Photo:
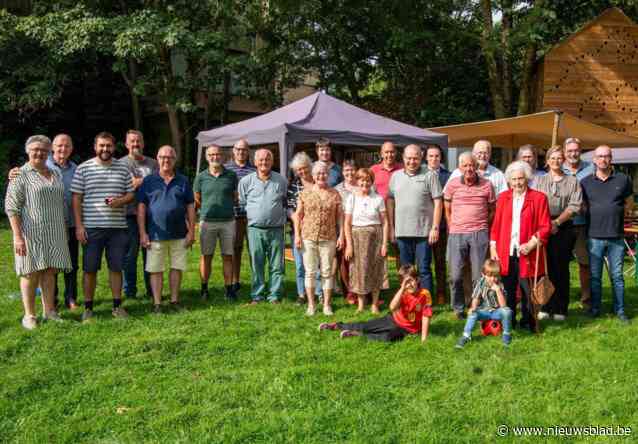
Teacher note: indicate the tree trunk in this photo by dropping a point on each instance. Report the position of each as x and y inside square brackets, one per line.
[527, 77]
[176, 133]
[135, 99]
[489, 52]
[506, 56]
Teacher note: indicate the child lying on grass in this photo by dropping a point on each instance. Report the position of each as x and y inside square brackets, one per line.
[411, 310]
[488, 302]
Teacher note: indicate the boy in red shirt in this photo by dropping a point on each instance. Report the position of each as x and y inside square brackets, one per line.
[411, 310]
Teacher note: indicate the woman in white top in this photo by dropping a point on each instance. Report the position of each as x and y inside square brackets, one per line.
[366, 230]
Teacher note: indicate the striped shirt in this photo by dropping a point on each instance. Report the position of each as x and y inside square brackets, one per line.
[240, 171]
[97, 183]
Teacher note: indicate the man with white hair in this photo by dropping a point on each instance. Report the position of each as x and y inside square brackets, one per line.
[482, 152]
[575, 166]
[414, 210]
[608, 195]
[216, 195]
[469, 207]
[263, 194]
[166, 218]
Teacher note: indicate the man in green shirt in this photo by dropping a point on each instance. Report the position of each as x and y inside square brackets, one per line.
[215, 196]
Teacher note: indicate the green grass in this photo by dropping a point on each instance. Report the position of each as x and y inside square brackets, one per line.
[228, 373]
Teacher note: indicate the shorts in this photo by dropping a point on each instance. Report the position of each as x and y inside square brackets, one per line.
[114, 240]
[580, 247]
[211, 231]
[173, 249]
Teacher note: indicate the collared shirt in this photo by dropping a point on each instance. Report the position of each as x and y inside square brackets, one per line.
[217, 194]
[96, 183]
[488, 299]
[138, 169]
[584, 169]
[606, 204]
[561, 194]
[414, 197]
[67, 173]
[382, 176]
[470, 204]
[491, 173]
[321, 208]
[345, 191]
[535, 175]
[292, 194]
[241, 172]
[264, 200]
[365, 210]
[517, 207]
[166, 206]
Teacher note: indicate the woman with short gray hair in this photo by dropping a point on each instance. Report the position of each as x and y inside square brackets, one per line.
[35, 206]
[521, 225]
[300, 166]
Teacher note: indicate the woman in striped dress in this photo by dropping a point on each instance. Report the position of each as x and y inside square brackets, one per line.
[35, 206]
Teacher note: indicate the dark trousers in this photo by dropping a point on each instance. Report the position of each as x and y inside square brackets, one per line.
[439, 251]
[70, 278]
[559, 252]
[512, 282]
[381, 329]
[130, 260]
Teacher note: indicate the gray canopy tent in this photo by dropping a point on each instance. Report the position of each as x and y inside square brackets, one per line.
[315, 116]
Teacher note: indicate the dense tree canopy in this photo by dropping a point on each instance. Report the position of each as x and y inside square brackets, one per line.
[426, 62]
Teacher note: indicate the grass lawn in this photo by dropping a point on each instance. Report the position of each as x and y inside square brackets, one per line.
[228, 373]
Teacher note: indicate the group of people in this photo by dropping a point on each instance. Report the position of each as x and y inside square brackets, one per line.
[495, 230]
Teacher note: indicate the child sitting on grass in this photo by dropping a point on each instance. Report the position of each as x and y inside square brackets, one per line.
[488, 302]
[411, 310]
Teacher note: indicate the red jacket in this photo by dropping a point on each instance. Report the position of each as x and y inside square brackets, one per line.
[535, 221]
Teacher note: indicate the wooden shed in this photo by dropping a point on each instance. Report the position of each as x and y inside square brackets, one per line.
[593, 74]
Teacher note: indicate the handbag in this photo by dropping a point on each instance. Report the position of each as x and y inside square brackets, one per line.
[543, 289]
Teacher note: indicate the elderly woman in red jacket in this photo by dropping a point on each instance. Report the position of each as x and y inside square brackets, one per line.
[521, 224]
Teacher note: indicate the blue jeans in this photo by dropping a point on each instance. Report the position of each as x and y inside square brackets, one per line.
[614, 251]
[130, 260]
[266, 245]
[503, 314]
[300, 271]
[417, 250]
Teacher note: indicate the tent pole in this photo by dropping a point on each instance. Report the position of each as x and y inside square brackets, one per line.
[199, 157]
[557, 116]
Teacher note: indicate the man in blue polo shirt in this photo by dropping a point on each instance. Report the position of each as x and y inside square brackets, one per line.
[166, 220]
[608, 195]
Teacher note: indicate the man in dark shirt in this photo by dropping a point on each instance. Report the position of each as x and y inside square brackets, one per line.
[608, 195]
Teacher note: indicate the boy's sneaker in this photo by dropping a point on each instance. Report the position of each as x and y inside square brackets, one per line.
[327, 310]
[328, 326]
[310, 311]
[52, 315]
[119, 313]
[559, 318]
[507, 340]
[87, 316]
[349, 334]
[543, 315]
[462, 341]
[30, 322]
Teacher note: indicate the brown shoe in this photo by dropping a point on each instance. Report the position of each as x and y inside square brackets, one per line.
[440, 299]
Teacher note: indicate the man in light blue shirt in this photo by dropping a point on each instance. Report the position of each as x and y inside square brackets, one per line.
[574, 166]
[263, 195]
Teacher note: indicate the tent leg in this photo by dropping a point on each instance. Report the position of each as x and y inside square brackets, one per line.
[557, 117]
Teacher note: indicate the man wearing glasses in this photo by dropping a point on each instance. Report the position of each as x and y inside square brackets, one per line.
[166, 220]
[575, 166]
[241, 166]
[608, 195]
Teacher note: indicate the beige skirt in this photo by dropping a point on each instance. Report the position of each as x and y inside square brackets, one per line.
[366, 266]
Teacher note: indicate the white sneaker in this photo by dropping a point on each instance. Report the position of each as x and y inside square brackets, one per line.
[310, 311]
[543, 315]
[327, 310]
[29, 322]
[559, 317]
[52, 315]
